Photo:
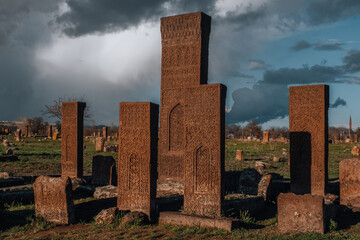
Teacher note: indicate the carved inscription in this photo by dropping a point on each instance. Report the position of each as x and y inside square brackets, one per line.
[308, 121]
[184, 64]
[138, 129]
[72, 124]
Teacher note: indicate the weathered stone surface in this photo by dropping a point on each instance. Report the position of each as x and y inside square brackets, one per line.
[18, 135]
[53, 199]
[308, 122]
[5, 143]
[204, 150]
[107, 216]
[265, 186]
[72, 126]
[349, 175]
[111, 149]
[5, 175]
[301, 213]
[175, 218]
[135, 217]
[99, 144]
[355, 151]
[239, 155]
[109, 191]
[138, 129]
[185, 43]
[105, 132]
[266, 136]
[103, 170]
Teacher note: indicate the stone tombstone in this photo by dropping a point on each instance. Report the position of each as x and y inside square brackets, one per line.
[204, 149]
[99, 134]
[26, 134]
[18, 135]
[50, 131]
[138, 131]
[55, 136]
[266, 136]
[53, 199]
[308, 123]
[103, 170]
[99, 144]
[184, 63]
[72, 128]
[349, 178]
[301, 213]
[355, 138]
[105, 132]
[240, 155]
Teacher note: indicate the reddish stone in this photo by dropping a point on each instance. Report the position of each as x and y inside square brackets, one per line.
[349, 176]
[138, 130]
[239, 155]
[185, 43]
[103, 170]
[308, 122]
[72, 127]
[99, 144]
[105, 132]
[18, 135]
[53, 199]
[205, 149]
[26, 134]
[301, 213]
[266, 136]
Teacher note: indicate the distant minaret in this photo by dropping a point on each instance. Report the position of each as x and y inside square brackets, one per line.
[350, 126]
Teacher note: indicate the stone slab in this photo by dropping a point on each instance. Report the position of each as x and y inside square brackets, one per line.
[175, 218]
[349, 176]
[301, 213]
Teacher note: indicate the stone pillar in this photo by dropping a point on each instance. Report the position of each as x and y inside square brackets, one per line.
[138, 130]
[53, 199]
[239, 155]
[105, 132]
[18, 135]
[308, 122]
[184, 64]
[266, 136]
[72, 128]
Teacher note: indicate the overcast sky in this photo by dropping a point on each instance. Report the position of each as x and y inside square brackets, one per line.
[109, 51]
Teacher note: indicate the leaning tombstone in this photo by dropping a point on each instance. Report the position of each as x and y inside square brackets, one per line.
[53, 199]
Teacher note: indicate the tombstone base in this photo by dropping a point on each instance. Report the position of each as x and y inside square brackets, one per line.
[176, 218]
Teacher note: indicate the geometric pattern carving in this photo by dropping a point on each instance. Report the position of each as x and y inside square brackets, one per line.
[204, 149]
[308, 122]
[72, 127]
[184, 64]
[138, 133]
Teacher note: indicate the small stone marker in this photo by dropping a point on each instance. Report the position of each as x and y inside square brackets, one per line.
[349, 177]
[53, 199]
[103, 170]
[239, 155]
[72, 127]
[99, 144]
[301, 213]
[138, 130]
[18, 135]
[266, 136]
[308, 122]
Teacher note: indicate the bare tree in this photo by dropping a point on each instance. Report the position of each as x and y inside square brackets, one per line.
[54, 110]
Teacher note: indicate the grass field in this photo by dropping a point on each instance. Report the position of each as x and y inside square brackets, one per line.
[42, 157]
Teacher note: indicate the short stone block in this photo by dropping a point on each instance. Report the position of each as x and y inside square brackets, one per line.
[301, 213]
[53, 199]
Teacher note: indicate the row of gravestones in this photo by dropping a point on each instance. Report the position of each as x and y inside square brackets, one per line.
[191, 144]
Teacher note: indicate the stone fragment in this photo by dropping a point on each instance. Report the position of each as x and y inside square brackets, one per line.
[107, 216]
[355, 151]
[53, 199]
[111, 149]
[301, 213]
[138, 129]
[239, 155]
[265, 186]
[138, 218]
[109, 191]
[9, 151]
[308, 123]
[276, 159]
[72, 126]
[5, 175]
[349, 176]
[103, 170]
[5, 143]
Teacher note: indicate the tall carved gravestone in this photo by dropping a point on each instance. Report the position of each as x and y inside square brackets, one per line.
[184, 64]
[72, 128]
[138, 131]
[204, 149]
[308, 122]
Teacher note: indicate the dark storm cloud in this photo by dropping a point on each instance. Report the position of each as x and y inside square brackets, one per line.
[325, 11]
[328, 47]
[301, 45]
[338, 102]
[352, 61]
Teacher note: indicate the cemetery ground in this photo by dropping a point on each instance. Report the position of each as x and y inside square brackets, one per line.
[39, 156]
